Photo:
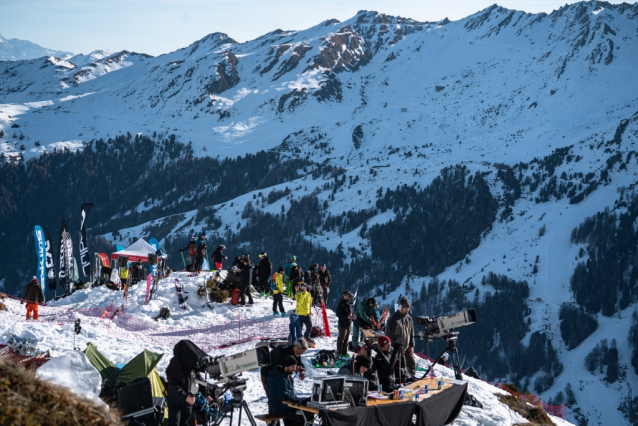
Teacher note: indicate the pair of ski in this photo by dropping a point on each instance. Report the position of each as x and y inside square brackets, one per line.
[180, 294]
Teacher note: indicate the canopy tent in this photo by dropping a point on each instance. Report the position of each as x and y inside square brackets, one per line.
[143, 365]
[136, 252]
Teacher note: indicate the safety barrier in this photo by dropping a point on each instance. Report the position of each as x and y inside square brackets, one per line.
[119, 324]
[554, 410]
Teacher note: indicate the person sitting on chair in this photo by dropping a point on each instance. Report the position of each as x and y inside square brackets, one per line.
[385, 362]
[282, 389]
[364, 350]
[361, 367]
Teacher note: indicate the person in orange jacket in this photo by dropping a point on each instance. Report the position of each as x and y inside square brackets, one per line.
[33, 295]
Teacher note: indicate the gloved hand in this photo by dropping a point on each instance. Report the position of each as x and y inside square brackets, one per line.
[398, 347]
[181, 250]
[22, 302]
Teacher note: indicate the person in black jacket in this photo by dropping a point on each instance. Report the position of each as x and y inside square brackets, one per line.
[385, 362]
[281, 388]
[361, 367]
[218, 257]
[364, 350]
[33, 295]
[324, 280]
[182, 386]
[344, 314]
[265, 271]
[277, 356]
[246, 281]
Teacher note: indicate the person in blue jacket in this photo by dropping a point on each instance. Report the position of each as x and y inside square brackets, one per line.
[282, 388]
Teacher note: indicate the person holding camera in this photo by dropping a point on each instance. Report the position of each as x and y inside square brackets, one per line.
[181, 375]
[385, 362]
[282, 388]
[400, 329]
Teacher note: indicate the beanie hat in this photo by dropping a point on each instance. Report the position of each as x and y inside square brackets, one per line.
[34, 279]
[383, 340]
[281, 269]
[404, 302]
[262, 255]
[289, 360]
[360, 346]
[362, 361]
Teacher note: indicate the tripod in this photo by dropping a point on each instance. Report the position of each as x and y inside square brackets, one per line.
[237, 402]
[454, 356]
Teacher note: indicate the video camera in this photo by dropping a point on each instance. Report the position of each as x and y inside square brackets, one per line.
[441, 327]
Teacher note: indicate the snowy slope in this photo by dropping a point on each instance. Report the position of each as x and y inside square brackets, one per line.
[59, 339]
[17, 50]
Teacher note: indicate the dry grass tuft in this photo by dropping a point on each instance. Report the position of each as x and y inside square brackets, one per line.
[3, 307]
[536, 415]
[28, 401]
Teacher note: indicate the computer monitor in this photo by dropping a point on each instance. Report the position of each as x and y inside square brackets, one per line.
[357, 389]
[328, 389]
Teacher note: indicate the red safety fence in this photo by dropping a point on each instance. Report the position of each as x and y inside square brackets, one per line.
[554, 410]
[34, 362]
[122, 325]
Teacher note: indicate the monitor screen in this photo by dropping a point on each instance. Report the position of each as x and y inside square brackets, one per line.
[332, 390]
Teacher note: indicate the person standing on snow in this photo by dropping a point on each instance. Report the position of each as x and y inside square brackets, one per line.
[287, 279]
[344, 314]
[191, 247]
[264, 273]
[218, 257]
[33, 295]
[324, 283]
[304, 303]
[277, 293]
[200, 253]
[400, 329]
[246, 281]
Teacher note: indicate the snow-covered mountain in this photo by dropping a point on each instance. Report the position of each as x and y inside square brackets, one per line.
[536, 115]
[14, 49]
[81, 60]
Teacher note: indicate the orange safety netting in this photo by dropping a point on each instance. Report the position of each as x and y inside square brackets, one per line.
[118, 323]
[34, 362]
[554, 410]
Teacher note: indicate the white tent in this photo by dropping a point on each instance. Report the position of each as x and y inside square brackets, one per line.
[136, 252]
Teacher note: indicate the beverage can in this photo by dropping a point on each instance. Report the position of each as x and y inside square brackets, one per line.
[417, 397]
[440, 384]
[427, 388]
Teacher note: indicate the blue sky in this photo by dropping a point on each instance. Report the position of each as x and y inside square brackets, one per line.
[161, 26]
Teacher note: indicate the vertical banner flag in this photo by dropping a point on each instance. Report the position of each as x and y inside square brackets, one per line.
[85, 257]
[68, 261]
[40, 250]
[61, 256]
[50, 264]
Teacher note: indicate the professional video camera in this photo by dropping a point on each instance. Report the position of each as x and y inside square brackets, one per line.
[225, 371]
[442, 327]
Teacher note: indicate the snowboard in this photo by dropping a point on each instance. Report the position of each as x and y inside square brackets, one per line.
[180, 294]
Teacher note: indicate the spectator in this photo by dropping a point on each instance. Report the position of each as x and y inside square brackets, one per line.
[304, 304]
[385, 362]
[361, 367]
[33, 295]
[311, 279]
[367, 317]
[277, 293]
[191, 248]
[324, 282]
[277, 355]
[218, 257]
[287, 279]
[344, 314]
[364, 350]
[200, 253]
[281, 388]
[246, 282]
[264, 272]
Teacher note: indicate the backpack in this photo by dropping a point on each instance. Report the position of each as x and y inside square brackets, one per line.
[192, 248]
[273, 284]
[234, 300]
[325, 356]
[164, 313]
[295, 273]
[316, 332]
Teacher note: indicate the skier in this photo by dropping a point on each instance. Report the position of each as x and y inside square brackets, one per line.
[264, 272]
[367, 317]
[192, 249]
[218, 257]
[277, 293]
[33, 295]
[246, 281]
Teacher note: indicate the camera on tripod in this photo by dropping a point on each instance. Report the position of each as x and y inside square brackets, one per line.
[442, 327]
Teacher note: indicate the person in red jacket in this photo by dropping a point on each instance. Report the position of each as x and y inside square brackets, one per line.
[33, 295]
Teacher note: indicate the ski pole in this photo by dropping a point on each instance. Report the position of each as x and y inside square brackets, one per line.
[182, 253]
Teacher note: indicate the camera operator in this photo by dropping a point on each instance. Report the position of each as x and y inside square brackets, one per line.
[282, 388]
[400, 329]
[385, 362]
[361, 367]
[182, 386]
[277, 356]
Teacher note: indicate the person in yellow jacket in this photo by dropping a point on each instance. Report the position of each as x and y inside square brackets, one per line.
[277, 293]
[304, 302]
